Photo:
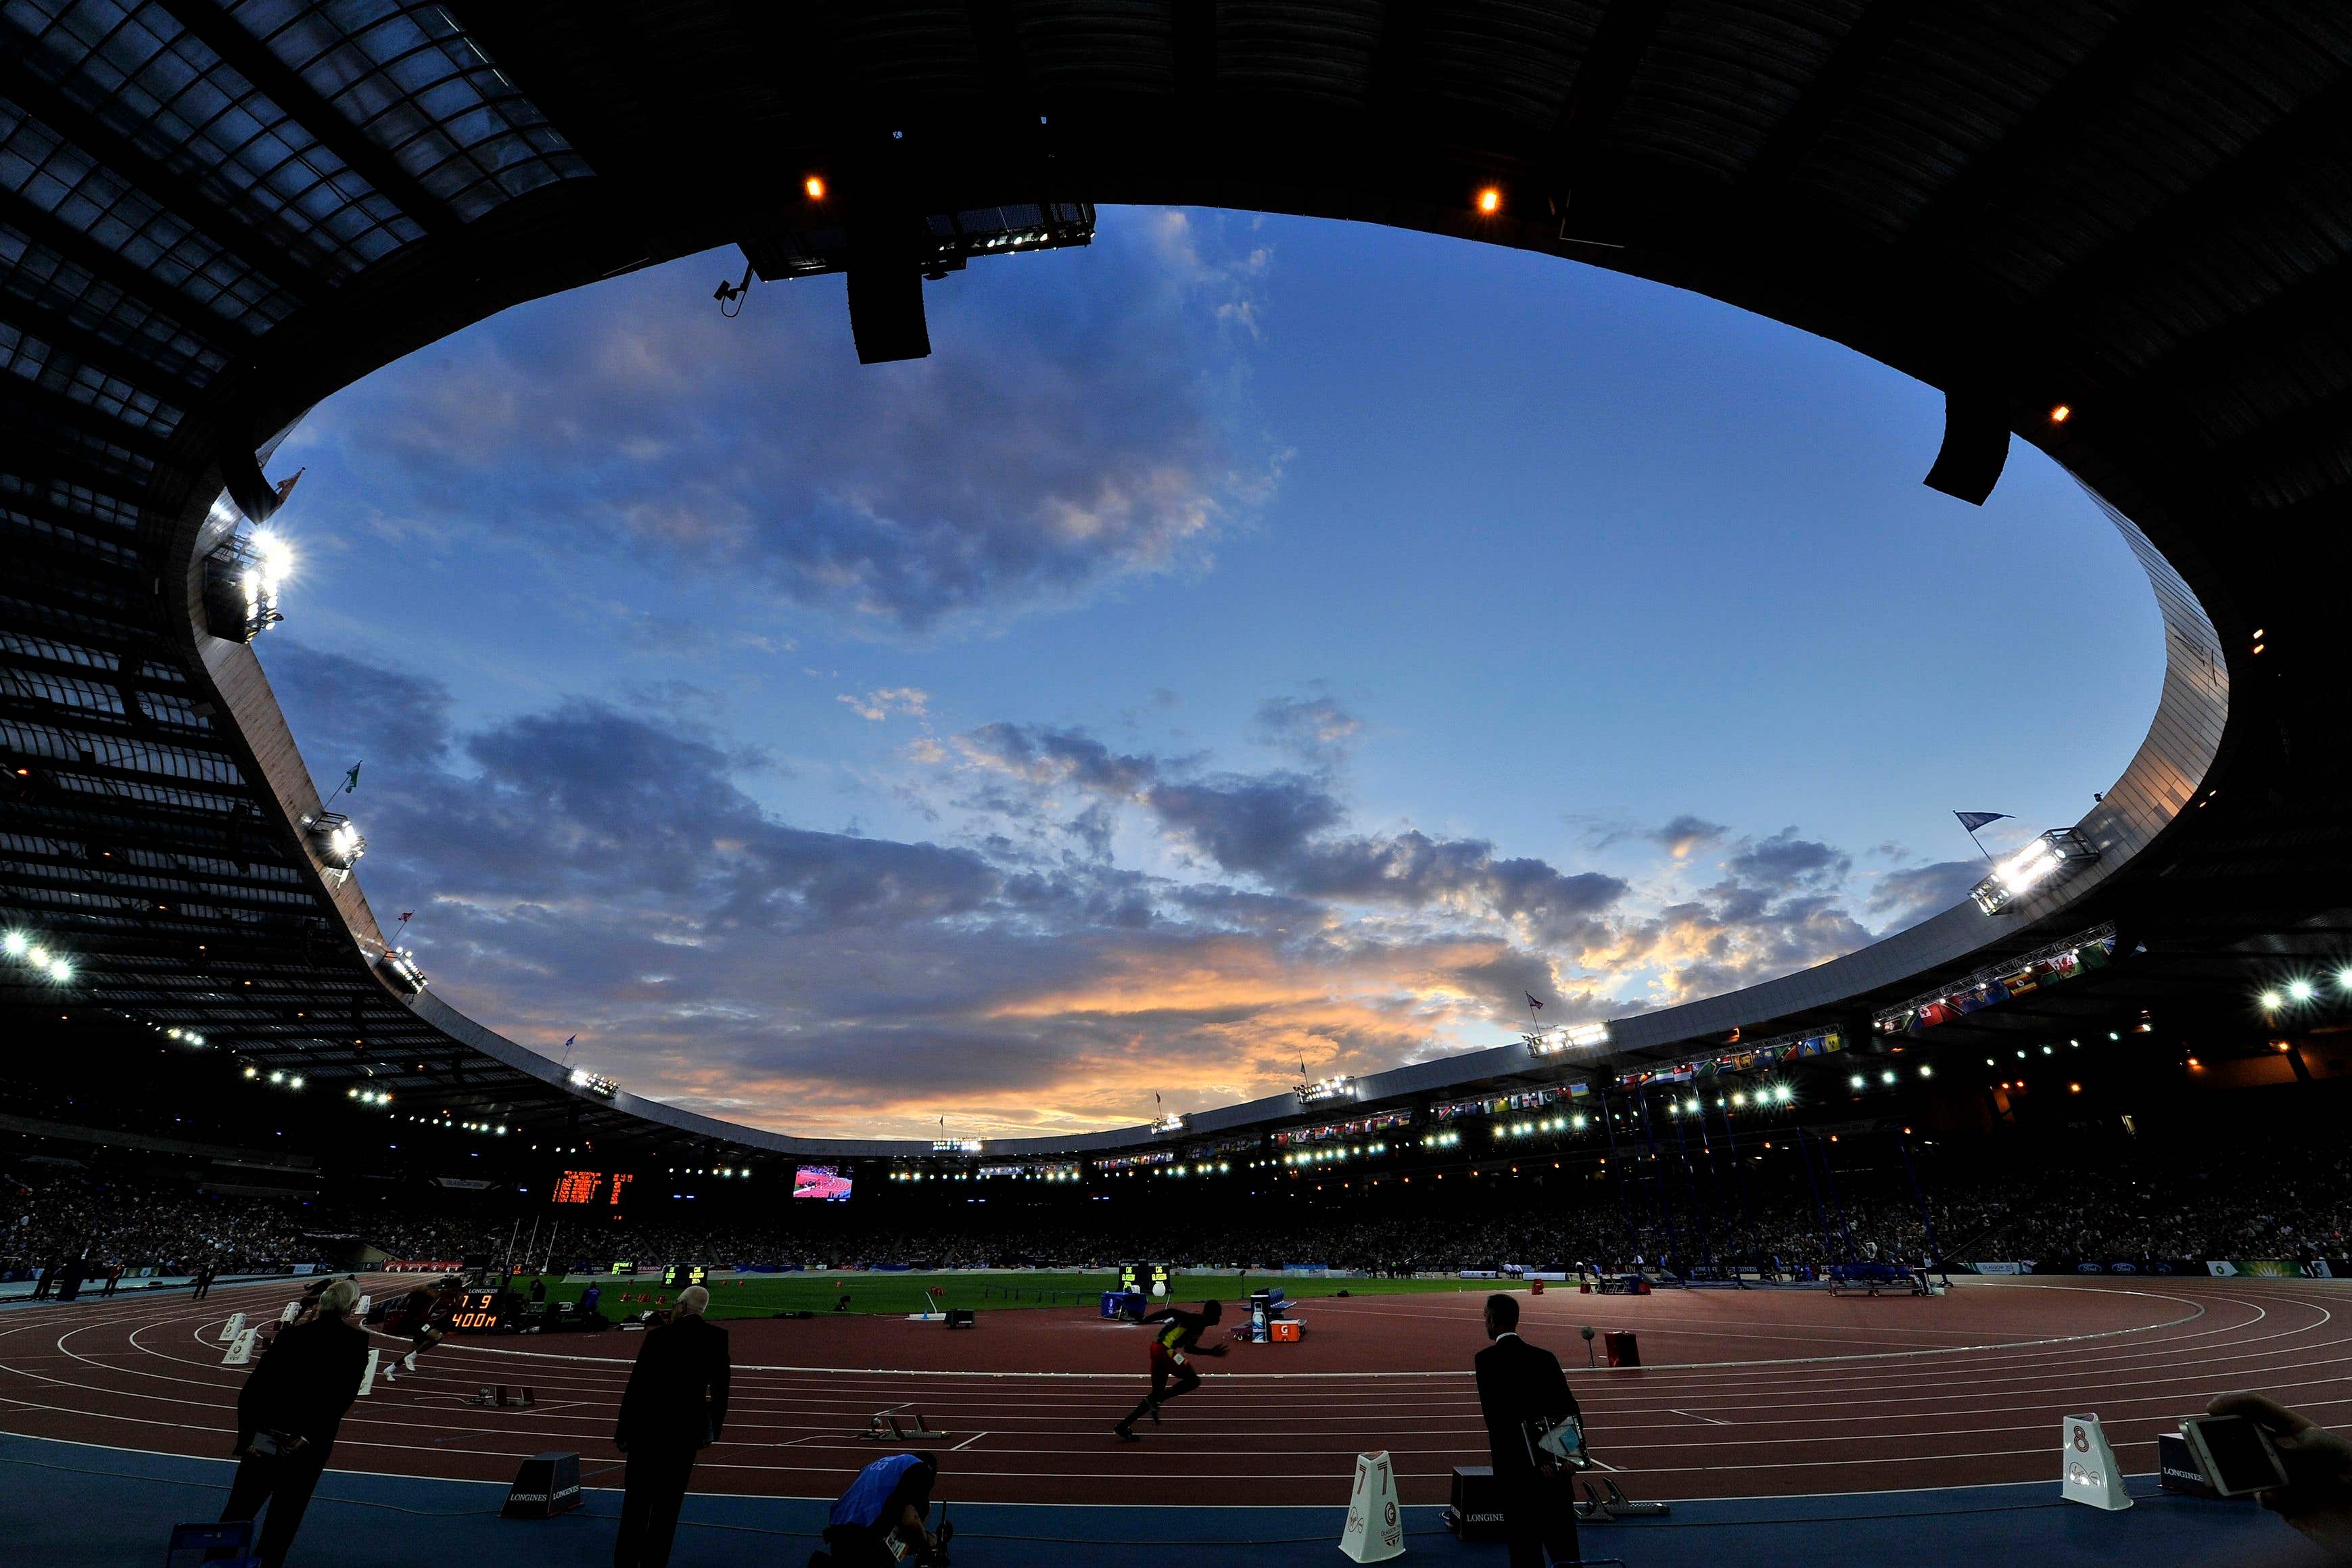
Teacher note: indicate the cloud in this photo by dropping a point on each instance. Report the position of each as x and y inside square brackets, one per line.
[1258, 823]
[1282, 829]
[911, 701]
[1908, 896]
[352, 704]
[1785, 862]
[589, 869]
[1316, 730]
[1685, 833]
[1044, 756]
[1058, 440]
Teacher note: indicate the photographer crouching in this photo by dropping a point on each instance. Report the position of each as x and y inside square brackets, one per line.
[287, 1415]
[882, 1521]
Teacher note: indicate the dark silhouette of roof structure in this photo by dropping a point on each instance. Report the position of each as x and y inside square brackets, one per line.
[215, 212]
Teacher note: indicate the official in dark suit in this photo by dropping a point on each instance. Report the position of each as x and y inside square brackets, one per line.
[674, 1407]
[289, 1413]
[1517, 1383]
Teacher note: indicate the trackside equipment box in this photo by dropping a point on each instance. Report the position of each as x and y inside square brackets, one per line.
[2176, 1468]
[1475, 1513]
[544, 1486]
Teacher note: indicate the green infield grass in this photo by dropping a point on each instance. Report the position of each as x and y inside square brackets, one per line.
[764, 1295]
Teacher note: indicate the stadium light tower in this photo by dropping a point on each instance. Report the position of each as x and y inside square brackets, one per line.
[2054, 854]
[338, 845]
[244, 578]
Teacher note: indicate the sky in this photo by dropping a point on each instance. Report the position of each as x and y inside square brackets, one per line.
[1247, 644]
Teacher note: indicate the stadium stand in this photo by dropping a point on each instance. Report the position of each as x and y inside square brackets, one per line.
[2230, 1197]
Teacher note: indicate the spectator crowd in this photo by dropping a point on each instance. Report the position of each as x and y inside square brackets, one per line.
[2219, 1201]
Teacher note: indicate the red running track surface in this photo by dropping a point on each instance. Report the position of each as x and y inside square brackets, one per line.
[1747, 1392]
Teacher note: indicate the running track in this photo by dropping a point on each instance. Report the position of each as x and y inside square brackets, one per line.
[1748, 1394]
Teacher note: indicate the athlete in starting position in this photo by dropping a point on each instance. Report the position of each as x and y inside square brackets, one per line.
[1172, 1358]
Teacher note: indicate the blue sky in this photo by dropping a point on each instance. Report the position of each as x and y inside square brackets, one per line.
[1244, 641]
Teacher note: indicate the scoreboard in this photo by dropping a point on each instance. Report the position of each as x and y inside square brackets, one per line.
[603, 1187]
[678, 1276]
[480, 1312]
[1150, 1279]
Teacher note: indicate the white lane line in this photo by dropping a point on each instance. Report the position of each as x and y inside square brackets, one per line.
[2324, 1316]
[1708, 1419]
[968, 1442]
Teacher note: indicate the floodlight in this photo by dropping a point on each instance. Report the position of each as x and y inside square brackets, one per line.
[61, 971]
[334, 841]
[1782, 1092]
[295, 1081]
[37, 956]
[2057, 849]
[815, 186]
[13, 944]
[1490, 201]
[275, 558]
[2299, 989]
[2061, 413]
[2270, 999]
[1887, 1076]
[1860, 1082]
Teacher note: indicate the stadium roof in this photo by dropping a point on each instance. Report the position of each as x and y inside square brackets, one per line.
[215, 212]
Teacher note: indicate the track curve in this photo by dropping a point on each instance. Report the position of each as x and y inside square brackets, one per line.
[1756, 1393]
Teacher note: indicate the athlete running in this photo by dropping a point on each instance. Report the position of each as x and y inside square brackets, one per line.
[416, 1314]
[1171, 1360]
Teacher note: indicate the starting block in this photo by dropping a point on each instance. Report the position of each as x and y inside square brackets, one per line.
[1598, 1510]
[887, 1428]
[240, 1349]
[231, 1329]
[500, 1397]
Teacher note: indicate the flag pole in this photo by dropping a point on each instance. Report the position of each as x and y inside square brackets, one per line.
[1978, 842]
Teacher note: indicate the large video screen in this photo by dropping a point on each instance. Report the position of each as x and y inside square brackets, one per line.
[828, 1183]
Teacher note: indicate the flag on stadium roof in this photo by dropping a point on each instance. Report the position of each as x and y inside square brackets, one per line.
[1532, 1001]
[1972, 820]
